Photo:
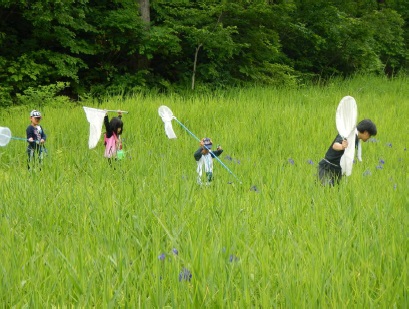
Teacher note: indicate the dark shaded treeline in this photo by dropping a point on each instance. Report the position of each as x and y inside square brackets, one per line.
[94, 47]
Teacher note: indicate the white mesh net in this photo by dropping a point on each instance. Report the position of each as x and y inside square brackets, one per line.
[95, 117]
[5, 136]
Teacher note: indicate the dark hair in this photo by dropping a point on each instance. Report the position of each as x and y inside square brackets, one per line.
[367, 125]
[115, 124]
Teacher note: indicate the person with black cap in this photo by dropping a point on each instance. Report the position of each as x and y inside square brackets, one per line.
[204, 157]
[35, 138]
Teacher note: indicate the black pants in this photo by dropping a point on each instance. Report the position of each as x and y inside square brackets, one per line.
[328, 174]
[36, 153]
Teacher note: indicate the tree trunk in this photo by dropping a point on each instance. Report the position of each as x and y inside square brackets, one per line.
[194, 65]
[144, 10]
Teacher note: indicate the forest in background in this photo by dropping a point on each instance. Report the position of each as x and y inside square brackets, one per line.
[85, 48]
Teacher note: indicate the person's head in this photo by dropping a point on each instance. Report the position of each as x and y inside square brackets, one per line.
[35, 117]
[207, 143]
[117, 125]
[366, 129]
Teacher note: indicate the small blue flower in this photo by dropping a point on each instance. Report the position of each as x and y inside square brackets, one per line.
[162, 257]
[389, 145]
[291, 161]
[379, 167]
[175, 251]
[233, 258]
[185, 274]
[254, 188]
[310, 162]
[381, 161]
[238, 161]
[367, 173]
[229, 158]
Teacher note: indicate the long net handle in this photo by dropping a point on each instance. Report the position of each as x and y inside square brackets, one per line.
[220, 161]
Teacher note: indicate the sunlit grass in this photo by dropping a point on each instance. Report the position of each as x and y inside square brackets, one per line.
[81, 233]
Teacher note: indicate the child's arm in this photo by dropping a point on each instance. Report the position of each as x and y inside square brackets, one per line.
[30, 134]
[340, 146]
[198, 154]
[217, 152]
[107, 126]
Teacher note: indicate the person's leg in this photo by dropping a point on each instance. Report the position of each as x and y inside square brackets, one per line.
[199, 171]
[324, 173]
[30, 159]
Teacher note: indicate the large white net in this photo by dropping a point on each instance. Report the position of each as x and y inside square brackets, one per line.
[95, 118]
[166, 114]
[5, 136]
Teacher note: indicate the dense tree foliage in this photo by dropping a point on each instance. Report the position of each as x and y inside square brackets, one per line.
[93, 47]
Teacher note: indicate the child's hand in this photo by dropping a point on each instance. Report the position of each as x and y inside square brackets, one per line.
[42, 141]
[219, 147]
[31, 139]
[119, 113]
[344, 144]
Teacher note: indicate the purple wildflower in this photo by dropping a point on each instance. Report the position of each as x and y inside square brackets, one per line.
[309, 161]
[238, 161]
[373, 140]
[254, 188]
[185, 274]
[381, 161]
[229, 158]
[379, 167]
[291, 161]
[367, 173]
[162, 257]
[389, 145]
[175, 251]
[233, 258]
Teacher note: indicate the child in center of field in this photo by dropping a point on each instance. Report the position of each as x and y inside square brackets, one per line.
[35, 138]
[329, 168]
[204, 158]
[112, 140]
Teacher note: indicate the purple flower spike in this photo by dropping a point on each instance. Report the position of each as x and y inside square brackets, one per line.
[254, 188]
[162, 257]
[175, 251]
[381, 161]
[379, 167]
[185, 274]
[291, 161]
[367, 173]
[310, 162]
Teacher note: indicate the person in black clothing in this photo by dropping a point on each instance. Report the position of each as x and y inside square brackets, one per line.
[35, 138]
[204, 157]
[329, 169]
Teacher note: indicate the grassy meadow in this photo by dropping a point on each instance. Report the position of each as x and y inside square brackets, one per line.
[143, 234]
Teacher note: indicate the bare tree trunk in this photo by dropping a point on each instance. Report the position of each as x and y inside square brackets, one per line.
[142, 61]
[144, 10]
[194, 65]
[197, 52]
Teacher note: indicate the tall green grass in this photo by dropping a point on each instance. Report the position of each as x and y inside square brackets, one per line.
[81, 233]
